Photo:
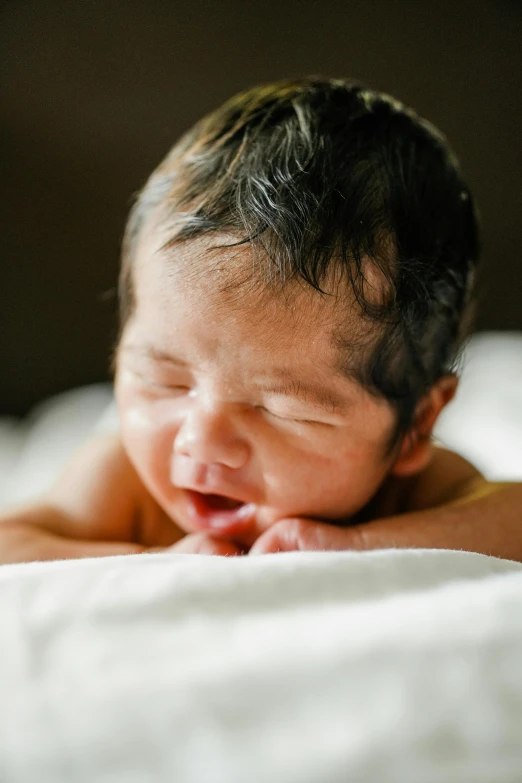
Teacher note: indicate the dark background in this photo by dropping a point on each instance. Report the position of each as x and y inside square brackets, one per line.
[94, 93]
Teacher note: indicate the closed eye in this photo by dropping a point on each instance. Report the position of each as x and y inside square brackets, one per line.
[172, 387]
[292, 418]
[161, 385]
[178, 387]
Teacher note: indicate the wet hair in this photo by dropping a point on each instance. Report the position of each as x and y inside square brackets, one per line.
[323, 174]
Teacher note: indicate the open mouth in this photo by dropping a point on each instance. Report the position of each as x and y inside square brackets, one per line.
[221, 514]
[220, 502]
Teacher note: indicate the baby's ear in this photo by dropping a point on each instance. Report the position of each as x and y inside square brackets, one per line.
[416, 448]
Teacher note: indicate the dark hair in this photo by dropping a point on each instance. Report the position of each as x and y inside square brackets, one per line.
[321, 173]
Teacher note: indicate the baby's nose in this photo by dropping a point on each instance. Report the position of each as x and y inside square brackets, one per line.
[210, 438]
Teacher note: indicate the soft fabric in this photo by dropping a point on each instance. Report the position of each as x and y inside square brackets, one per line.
[484, 422]
[401, 666]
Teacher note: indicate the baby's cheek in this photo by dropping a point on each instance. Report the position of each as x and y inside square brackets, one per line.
[148, 443]
[331, 487]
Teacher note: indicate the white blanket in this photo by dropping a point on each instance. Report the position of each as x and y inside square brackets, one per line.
[400, 666]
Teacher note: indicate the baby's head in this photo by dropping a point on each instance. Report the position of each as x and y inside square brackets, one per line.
[295, 281]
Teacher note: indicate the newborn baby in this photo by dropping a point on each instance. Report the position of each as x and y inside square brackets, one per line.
[295, 284]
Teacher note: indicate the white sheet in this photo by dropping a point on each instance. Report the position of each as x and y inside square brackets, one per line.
[401, 666]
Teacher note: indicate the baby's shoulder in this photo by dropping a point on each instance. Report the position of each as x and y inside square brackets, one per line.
[448, 477]
[100, 489]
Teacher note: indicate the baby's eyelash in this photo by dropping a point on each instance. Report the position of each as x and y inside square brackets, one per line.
[151, 383]
[169, 386]
[289, 418]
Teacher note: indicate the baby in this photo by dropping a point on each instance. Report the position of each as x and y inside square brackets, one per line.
[295, 286]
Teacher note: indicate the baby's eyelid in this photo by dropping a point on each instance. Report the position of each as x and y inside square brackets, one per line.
[173, 386]
[298, 419]
[161, 384]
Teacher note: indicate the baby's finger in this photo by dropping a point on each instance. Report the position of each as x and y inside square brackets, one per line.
[305, 535]
[203, 544]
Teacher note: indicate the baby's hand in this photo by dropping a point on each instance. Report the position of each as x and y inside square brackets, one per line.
[288, 535]
[201, 544]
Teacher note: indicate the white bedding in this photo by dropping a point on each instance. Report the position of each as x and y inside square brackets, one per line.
[398, 666]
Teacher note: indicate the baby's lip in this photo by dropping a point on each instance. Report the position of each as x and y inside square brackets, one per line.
[205, 513]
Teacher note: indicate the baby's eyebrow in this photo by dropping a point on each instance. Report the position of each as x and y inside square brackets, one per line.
[151, 352]
[318, 395]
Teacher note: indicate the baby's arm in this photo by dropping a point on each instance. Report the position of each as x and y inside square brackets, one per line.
[98, 507]
[451, 507]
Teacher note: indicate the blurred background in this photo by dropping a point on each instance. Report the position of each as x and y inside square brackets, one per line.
[93, 94]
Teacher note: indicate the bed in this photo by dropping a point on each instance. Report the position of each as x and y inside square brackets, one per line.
[311, 667]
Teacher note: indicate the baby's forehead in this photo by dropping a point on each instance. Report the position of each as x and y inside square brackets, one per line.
[216, 272]
[231, 263]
